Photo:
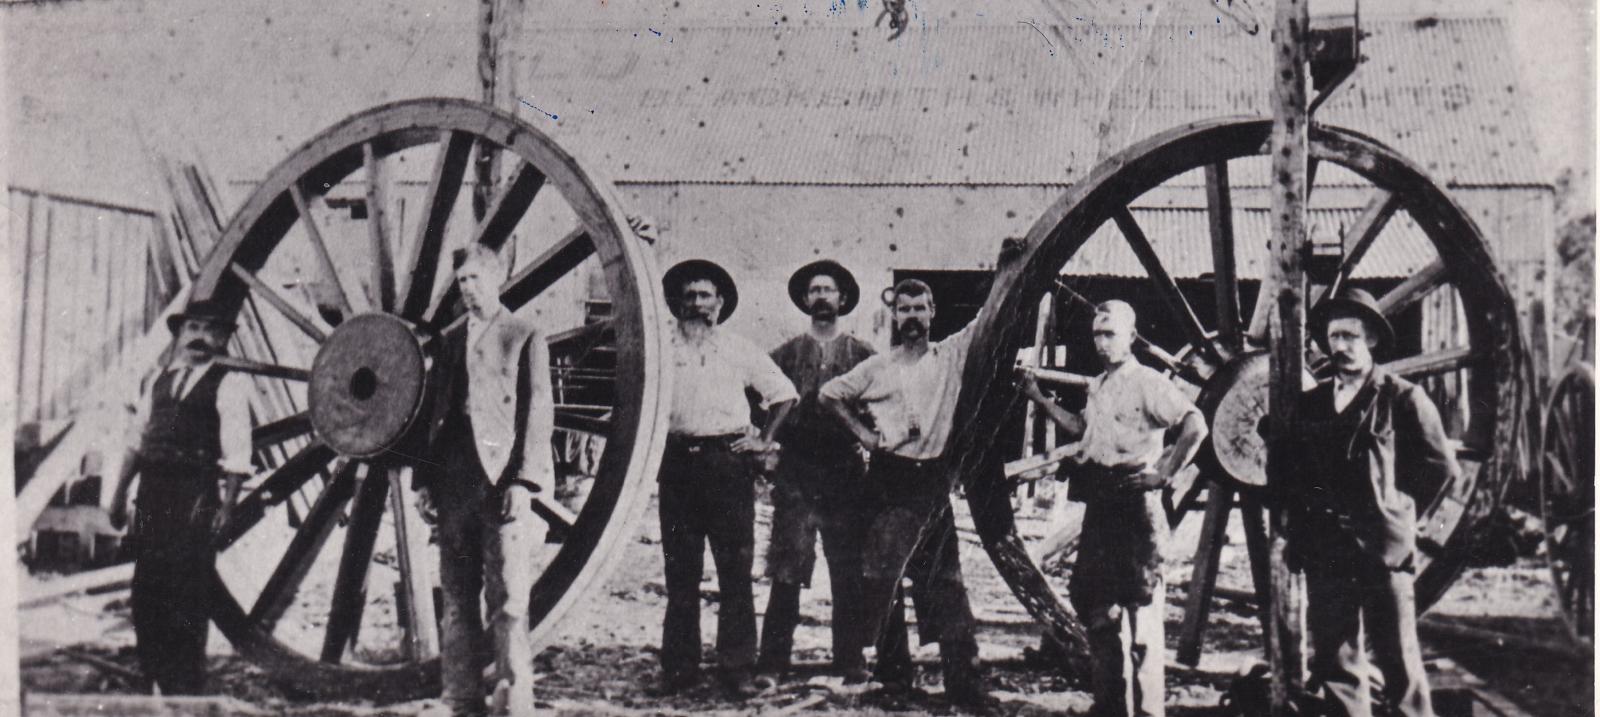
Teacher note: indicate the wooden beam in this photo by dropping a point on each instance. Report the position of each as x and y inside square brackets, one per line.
[1219, 210]
[1203, 579]
[1290, 152]
[1177, 305]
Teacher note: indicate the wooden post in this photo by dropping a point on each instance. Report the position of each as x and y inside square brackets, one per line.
[1290, 156]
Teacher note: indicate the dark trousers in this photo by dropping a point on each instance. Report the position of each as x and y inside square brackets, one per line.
[912, 534]
[171, 591]
[809, 498]
[479, 555]
[707, 494]
[1119, 595]
[1341, 598]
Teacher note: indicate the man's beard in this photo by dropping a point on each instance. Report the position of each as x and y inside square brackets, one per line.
[823, 310]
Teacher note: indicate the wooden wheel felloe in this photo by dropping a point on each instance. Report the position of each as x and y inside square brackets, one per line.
[1222, 352]
[1566, 497]
[325, 575]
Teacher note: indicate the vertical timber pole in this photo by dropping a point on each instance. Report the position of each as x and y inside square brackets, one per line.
[1290, 158]
[487, 162]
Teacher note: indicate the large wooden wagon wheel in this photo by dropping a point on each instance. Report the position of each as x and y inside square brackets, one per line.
[326, 577]
[1228, 349]
[1566, 497]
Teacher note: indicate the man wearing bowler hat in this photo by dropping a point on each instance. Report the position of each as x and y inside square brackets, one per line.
[1368, 441]
[707, 491]
[190, 432]
[818, 485]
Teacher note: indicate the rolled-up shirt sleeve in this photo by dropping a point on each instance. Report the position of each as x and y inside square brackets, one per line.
[850, 385]
[763, 375]
[233, 413]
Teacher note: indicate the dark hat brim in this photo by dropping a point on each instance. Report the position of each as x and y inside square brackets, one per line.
[800, 284]
[672, 284]
[201, 311]
[1361, 306]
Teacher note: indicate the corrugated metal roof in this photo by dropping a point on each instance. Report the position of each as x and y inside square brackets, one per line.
[1027, 103]
[1181, 240]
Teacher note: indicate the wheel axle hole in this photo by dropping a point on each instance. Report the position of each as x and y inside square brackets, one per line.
[364, 383]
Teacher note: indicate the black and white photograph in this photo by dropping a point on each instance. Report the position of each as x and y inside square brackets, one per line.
[1114, 358]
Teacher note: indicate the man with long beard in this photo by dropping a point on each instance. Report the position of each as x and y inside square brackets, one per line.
[707, 491]
[818, 483]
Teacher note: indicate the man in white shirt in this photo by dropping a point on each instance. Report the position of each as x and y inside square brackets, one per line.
[191, 429]
[707, 480]
[1120, 466]
[490, 455]
[910, 395]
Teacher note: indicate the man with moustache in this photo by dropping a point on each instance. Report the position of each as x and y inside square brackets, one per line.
[707, 491]
[489, 455]
[193, 432]
[1367, 442]
[818, 483]
[1118, 470]
[910, 396]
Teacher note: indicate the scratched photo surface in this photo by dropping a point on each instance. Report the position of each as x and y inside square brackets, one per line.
[282, 193]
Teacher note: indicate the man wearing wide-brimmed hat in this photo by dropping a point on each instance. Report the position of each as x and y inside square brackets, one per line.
[707, 491]
[818, 485]
[192, 426]
[1367, 441]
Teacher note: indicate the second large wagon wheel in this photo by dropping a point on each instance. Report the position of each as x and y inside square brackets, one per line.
[1566, 497]
[341, 258]
[1223, 352]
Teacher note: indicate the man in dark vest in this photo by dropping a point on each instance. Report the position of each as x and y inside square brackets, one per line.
[1367, 443]
[489, 459]
[192, 423]
[818, 486]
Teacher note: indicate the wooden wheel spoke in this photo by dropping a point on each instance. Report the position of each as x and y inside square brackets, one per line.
[1433, 363]
[416, 287]
[350, 587]
[1414, 289]
[1358, 238]
[416, 598]
[295, 316]
[324, 259]
[297, 559]
[575, 343]
[581, 422]
[381, 290]
[276, 489]
[508, 208]
[1219, 209]
[234, 363]
[547, 268]
[283, 429]
[556, 515]
[1171, 295]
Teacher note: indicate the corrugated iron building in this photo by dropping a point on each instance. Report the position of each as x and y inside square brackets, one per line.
[764, 138]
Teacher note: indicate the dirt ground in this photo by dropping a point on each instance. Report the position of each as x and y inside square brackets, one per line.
[604, 658]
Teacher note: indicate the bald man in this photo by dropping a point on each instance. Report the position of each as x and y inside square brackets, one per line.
[1118, 471]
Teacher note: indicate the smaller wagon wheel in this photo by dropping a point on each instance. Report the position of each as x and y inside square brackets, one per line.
[325, 575]
[1566, 497]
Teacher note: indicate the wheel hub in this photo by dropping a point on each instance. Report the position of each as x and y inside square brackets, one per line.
[1236, 412]
[367, 385]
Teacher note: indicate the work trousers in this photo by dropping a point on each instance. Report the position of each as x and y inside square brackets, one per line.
[1119, 594]
[808, 498]
[912, 534]
[1357, 594]
[172, 572]
[478, 554]
[707, 494]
